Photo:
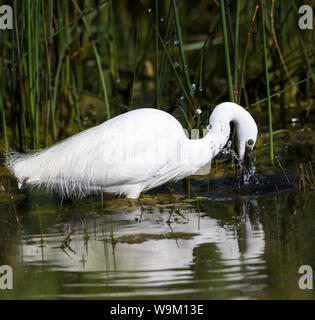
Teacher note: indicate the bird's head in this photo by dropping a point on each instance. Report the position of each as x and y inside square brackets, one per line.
[246, 131]
[246, 128]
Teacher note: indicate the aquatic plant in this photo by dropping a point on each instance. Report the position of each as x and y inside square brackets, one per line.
[78, 63]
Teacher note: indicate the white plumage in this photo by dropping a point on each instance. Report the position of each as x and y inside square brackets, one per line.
[131, 153]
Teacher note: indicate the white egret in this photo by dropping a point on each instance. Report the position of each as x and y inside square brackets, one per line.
[131, 153]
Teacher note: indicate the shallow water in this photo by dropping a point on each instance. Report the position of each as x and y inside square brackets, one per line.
[225, 243]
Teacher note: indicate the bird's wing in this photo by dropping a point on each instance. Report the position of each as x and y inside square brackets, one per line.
[110, 154]
[98, 157]
[170, 172]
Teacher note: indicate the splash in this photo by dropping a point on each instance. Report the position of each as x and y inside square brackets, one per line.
[248, 172]
[245, 173]
[228, 150]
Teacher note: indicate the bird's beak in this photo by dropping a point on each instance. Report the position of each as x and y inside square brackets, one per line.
[248, 151]
[245, 167]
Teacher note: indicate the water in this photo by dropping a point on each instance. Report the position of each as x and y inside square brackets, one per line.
[246, 172]
[226, 243]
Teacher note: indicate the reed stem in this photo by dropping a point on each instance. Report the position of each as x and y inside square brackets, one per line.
[226, 51]
[30, 71]
[180, 42]
[157, 64]
[267, 83]
[4, 124]
[242, 86]
[236, 40]
[98, 60]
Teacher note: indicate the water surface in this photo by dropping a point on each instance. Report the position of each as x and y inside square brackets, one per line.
[224, 243]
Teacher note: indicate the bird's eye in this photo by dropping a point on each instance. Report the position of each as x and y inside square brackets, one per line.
[250, 142]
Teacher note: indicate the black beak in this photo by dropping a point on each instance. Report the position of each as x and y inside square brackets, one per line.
[248, 151]
[245, 166]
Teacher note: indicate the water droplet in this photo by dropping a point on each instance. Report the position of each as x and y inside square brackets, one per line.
[118, 80]
[149, 10]
[176, 64]
[182, 98]
[198, 111]
[193, 87]
[186, 66]
[176, 42]
[162, 19]
[200, 89]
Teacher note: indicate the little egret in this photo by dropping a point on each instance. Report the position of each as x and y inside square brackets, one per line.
[131, 153]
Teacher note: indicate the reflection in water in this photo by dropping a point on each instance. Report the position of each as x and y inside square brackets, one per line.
[119, 249]
[162, 254]
[200, 249]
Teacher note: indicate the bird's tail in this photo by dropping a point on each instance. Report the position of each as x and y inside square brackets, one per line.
[37, 169]
[21, 165]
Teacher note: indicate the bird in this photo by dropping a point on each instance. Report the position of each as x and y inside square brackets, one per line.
[131, 153]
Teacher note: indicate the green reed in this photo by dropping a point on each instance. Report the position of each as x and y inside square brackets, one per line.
[180, 42]
[242, 86]
[3, 121]
[267, 83]
[163, 59]
[157, 62]
[31, 82]
[114, 64]
[226, 51]
[98, 60]
[236, 42]
[63, 58]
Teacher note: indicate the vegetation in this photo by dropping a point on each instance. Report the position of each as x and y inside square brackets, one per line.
[67, 65]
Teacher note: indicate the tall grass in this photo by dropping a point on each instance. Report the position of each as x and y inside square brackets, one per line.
[98, 60]
[236, 43]
[67, 65]
[242, 86]
[181, 45]
[4, 124]
[271, 152]
[157, 62]
[226, 51]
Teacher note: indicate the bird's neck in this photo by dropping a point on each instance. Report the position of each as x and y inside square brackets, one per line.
[205, 149]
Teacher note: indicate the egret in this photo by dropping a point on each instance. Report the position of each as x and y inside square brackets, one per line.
[131, 153]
